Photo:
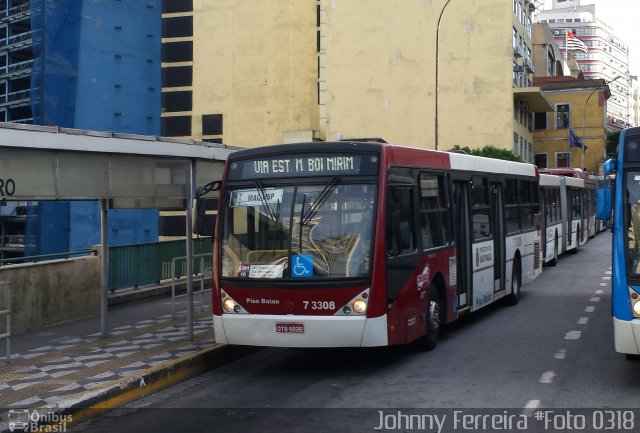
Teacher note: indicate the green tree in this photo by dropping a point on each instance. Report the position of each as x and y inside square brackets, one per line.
[613, 138]
[488, 152]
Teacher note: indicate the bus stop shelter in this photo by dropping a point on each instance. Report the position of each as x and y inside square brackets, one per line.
[123, 171]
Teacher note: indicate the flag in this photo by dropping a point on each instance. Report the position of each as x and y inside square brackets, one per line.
[574, 140]
[574, 43]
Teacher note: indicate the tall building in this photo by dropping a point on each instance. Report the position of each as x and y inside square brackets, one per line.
[86, 65]
[606, 55]
[429, 74]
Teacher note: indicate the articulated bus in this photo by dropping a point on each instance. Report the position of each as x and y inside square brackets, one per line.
[344, 244]
[626, 244]
[562, 203]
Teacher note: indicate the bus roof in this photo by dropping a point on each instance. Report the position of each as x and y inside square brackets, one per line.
[568, 172]
[549, 180]
[397, 154]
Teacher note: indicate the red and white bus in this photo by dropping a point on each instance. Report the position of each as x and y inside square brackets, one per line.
[578, 212]
[367, 244]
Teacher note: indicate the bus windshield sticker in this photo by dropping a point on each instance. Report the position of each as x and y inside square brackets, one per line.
[302, 266]
[253, 197]
[266, 271]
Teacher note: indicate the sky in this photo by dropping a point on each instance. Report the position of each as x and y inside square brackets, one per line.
[622, 16]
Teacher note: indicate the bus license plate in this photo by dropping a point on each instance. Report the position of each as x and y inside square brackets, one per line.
[290, 328]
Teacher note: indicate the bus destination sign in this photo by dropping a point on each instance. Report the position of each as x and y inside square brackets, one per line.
[303, 165]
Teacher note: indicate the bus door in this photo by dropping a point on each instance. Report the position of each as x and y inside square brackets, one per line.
[497, 223]
[462, 233]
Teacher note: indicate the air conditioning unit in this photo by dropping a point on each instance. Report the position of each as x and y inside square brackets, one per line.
[518, 68]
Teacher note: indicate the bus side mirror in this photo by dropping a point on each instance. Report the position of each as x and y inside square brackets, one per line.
[610, 166]
[205, 221]
[603, 204]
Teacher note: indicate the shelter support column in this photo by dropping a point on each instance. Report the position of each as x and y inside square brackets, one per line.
[189, 251]
[105, 267]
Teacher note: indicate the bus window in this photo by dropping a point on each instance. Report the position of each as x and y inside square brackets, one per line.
[400, 221]
[526, 205]
[512, 211]
[633, 232]
[480, 202]
[328, 224]
[433, 211]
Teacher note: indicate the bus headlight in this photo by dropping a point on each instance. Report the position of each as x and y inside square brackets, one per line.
[229, 305]
[359, 306]
[636, 308]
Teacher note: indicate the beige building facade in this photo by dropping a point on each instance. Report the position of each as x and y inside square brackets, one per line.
[420, 73]
[579, 106]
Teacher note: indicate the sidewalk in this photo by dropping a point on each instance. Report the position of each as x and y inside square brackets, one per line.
[70, 366]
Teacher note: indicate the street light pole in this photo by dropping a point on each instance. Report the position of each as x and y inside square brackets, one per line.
[584, 112]
[437, 69]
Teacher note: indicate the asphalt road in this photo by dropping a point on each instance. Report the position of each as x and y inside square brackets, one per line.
[553, 350]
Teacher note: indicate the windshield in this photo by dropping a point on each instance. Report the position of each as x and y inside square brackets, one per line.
[306, 231]
[633, 222]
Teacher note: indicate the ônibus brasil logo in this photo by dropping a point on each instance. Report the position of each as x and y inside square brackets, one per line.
[23, 420]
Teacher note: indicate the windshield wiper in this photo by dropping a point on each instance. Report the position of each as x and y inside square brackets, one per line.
[322, 197]
[275, 216]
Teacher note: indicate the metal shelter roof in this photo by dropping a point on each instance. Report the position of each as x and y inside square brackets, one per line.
[121, 170]
[132, 171]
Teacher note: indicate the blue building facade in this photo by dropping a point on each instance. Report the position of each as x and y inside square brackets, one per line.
[85, 64]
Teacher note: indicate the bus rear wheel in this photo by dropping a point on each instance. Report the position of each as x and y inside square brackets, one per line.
[516, 282]
[433, 322]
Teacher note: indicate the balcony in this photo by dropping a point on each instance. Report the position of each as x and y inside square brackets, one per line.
[18, 41]
[15, 99]
[16, 70]
[16, 13]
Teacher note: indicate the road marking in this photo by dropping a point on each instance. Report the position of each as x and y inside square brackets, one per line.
[606, 278]
[573, 335]
[583, 320]
[547, 377]
[608, 273]
[530, 407]
[560, 354]
[590, 309]
[599, 292]
[595, 299]
[603, 284]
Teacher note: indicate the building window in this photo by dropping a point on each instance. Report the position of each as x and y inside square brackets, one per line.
[540, 121]
[212, 124]
[563, 160]
[563, 116]
[541, 160]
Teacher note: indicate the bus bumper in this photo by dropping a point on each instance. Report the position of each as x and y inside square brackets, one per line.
[627, 336]
[319, 331]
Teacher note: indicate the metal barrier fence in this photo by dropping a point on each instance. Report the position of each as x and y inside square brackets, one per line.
[135, 265]
[6, 311]
[201, 262]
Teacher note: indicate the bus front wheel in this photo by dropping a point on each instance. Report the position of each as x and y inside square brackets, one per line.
[433, 322]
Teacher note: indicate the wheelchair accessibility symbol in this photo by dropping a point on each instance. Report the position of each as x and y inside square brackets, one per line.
[302, 266]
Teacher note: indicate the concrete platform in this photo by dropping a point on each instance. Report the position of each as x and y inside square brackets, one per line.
[71, 369]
